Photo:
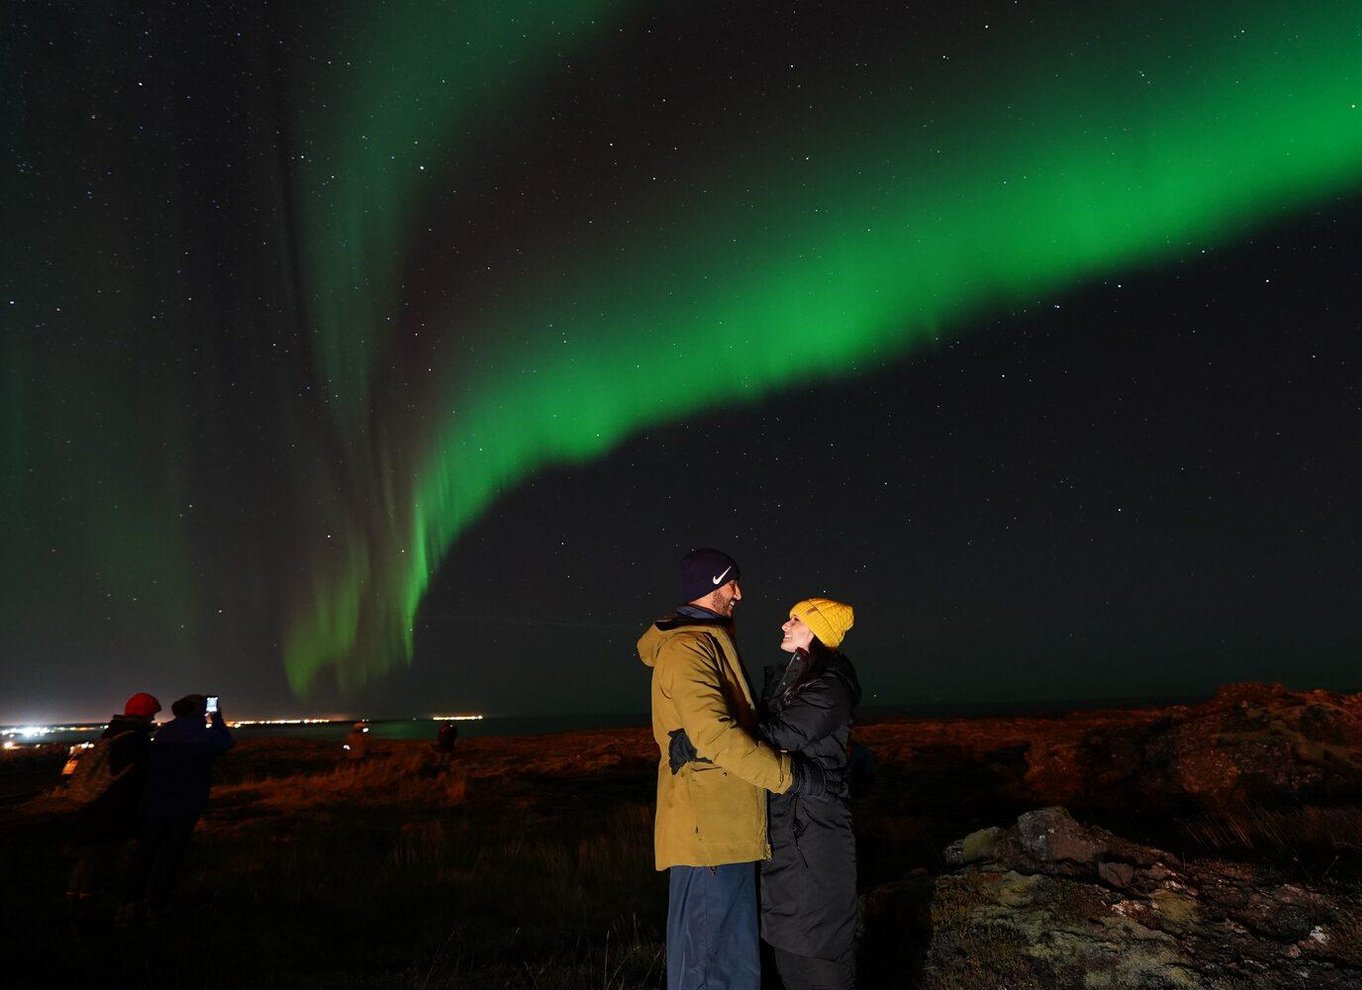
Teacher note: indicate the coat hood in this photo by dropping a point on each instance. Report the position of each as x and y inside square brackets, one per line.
[664, 628]
[840, 666]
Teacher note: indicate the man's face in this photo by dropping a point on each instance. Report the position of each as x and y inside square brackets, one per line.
[724, 598]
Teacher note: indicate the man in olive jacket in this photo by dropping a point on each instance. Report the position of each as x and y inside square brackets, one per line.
[711, 813]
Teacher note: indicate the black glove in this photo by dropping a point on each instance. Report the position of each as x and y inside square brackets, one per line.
[813, 781]
[681, 752]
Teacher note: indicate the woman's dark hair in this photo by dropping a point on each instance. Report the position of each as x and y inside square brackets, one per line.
[818, 649]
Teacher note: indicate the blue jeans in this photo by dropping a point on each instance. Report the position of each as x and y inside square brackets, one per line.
[712, 928]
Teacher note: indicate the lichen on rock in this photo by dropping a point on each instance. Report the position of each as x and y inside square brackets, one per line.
[1036, 907]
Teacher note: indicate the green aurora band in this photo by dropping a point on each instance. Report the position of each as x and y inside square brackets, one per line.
[1142, 138]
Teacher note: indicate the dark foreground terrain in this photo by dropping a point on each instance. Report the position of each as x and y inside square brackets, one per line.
[1215, 846]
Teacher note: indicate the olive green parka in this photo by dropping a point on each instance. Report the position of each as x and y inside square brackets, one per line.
[708, 814]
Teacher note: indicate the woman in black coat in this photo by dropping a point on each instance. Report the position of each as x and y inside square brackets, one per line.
[808, 887]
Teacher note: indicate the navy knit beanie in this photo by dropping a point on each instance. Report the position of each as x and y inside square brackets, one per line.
[705, 570]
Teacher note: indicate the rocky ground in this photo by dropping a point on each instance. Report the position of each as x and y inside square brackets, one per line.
[1259, 790]
[1048, 902]
[1210, 846]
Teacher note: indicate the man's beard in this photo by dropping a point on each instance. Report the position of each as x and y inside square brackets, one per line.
[724, 606]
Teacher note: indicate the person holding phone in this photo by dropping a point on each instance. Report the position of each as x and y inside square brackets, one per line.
[178, 782]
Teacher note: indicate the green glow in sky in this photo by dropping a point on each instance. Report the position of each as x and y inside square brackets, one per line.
[386, 119]
[792, 255]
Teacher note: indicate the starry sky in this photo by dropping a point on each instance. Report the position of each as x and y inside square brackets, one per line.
[385, 358]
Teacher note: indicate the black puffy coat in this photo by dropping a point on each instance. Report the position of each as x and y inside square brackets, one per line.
[808, 887]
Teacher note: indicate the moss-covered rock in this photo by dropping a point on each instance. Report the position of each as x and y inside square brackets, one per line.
[1015, 915]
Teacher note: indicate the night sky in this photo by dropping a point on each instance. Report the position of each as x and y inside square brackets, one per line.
[384, 358]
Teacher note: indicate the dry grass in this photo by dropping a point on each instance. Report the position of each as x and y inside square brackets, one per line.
[528, 864]
[1297, 833]
[407, 777]
[392, 873]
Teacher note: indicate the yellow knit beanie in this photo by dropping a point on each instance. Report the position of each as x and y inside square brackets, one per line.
[828, 619]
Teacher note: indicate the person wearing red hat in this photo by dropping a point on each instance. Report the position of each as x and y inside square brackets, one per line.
[106, 827]
[141, 705]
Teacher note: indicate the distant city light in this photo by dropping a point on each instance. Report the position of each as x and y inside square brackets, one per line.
[282, 721]
[12, 736]
[37, 731]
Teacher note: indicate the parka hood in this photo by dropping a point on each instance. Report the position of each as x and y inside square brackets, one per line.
[664, 628]
[840, 666]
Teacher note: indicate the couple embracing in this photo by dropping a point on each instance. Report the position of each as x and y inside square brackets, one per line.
[742, 783]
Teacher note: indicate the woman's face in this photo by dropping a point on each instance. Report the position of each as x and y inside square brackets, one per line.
[797, 635]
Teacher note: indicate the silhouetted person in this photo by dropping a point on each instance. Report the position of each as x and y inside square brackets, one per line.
[445, 740]
[106, 826]
[180, 776]
[356, 745]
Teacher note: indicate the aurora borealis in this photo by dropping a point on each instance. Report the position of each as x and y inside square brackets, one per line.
[303, 301]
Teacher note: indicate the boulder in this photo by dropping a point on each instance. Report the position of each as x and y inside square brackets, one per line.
[1051, 903]
[1051, 836]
